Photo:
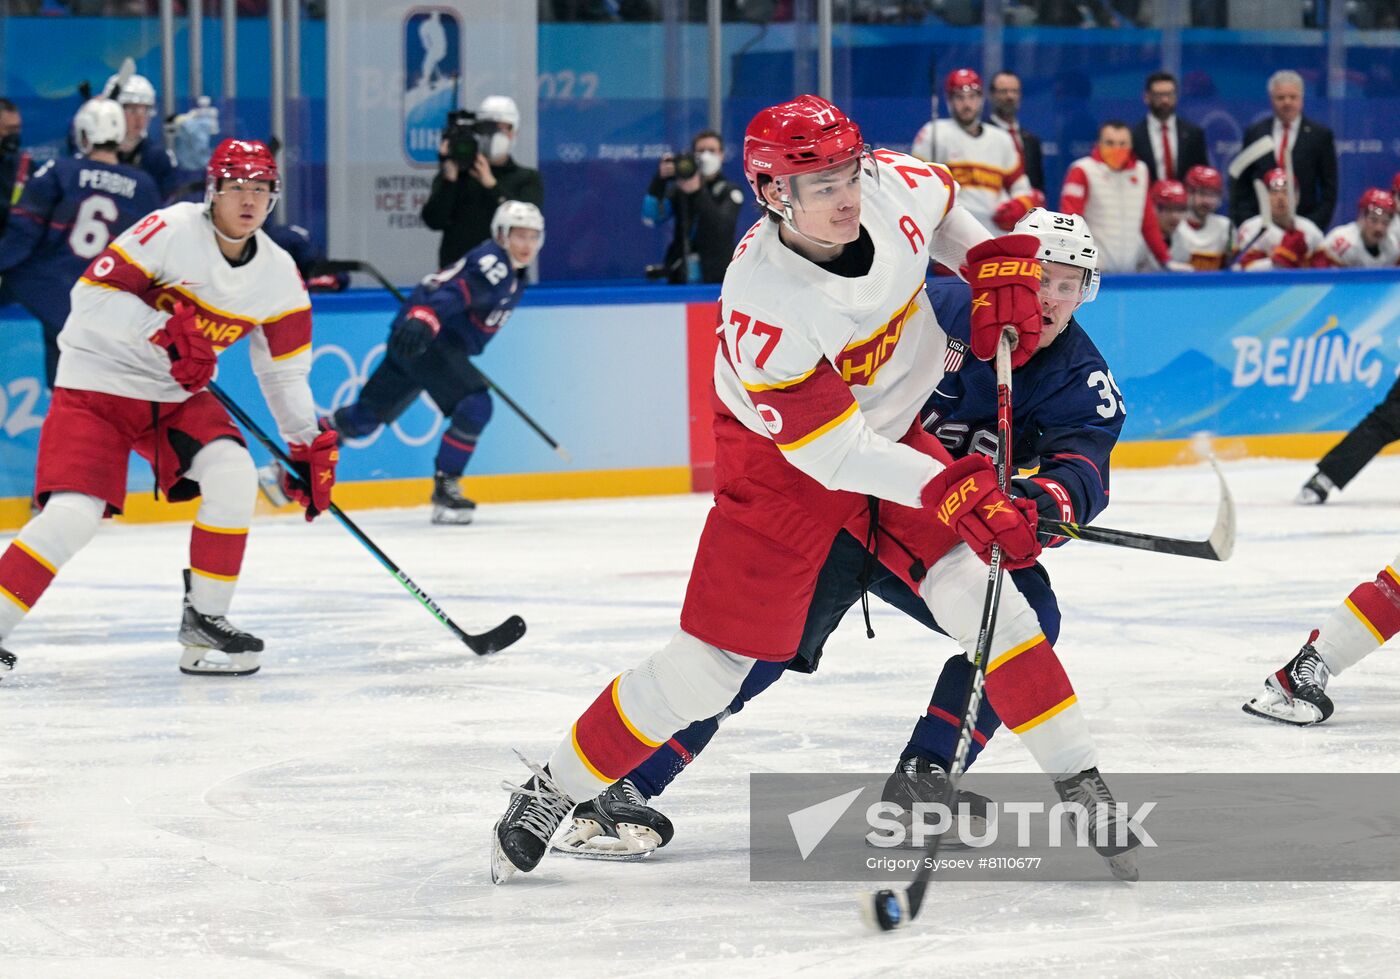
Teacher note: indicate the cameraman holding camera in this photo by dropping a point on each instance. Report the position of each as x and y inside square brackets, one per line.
[705, 206]
[477, 175]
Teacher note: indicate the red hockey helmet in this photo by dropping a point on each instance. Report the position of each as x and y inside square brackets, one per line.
[802, 136]
[241, 159]
[962, 80]
[1169, 193]
[1375, 199]
[1278, 179]
[1204, 178]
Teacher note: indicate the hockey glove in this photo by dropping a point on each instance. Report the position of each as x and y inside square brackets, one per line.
[315, 473]
[965, 496]
[1050, 500]
[1291, 251]
[1005, 280]
[415, 331]
[192, 357]
[1009, 212]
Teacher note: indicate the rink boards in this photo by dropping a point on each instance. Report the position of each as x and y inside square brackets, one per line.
[1271, 364]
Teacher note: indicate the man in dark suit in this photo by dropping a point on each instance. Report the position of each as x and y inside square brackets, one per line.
[1168, 144]
[1006, 103]
[1289, 140]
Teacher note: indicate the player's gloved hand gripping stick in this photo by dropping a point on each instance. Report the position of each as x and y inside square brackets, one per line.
[491, 641]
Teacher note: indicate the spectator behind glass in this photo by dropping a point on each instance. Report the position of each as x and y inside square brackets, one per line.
[1109, 187]
[704, 205]
[1168, 144]
[1290, 141]
[12, 158]
[1006, 107]
[466, 194]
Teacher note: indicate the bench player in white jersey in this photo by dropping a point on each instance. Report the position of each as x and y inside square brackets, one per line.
[149, 317]
[1203, 240]
[1286, 240]
[992, 181]
[1365, 621]
[1364, 243]
[828, 349]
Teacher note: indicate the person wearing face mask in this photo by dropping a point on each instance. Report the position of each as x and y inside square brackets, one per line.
[1109, 187]
[704, 205]
[464, 198]
[13, 160]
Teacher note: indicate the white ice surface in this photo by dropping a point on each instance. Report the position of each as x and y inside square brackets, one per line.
[330, 816]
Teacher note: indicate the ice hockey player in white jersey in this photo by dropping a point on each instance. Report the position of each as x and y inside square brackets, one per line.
[1281, 239]
[992, 182]
[1364, 243]
[828, 349]
[1364, 621]
[1203, 241]
[149, 318]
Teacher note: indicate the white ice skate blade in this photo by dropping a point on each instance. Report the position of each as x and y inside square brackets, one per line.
[1273, 706]
[203, 661]
[501, 868]
[446, 515]
[606, 848]
[1123, 865]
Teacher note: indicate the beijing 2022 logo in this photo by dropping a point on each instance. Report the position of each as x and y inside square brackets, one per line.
[432, 67]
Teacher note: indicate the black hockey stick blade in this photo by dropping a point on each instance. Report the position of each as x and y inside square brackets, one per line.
[1217, 547]
[497, 639]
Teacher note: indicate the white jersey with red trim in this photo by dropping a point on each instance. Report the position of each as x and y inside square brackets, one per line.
[171, 256]
[1205, 248]
[834, 369]
[986, 166]
[1343, 246]
[1257, 257]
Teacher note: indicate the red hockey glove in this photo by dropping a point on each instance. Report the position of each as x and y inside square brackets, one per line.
[1005, 280]
[965, 497]
[192, 357]
[1006, 216]
[315, 473]
[1291, 252]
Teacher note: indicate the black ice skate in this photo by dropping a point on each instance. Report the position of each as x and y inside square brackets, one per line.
[1295, 694]
[521, 836]
[617, 825]
[1106, 822]
[7, 661]
[1315, 490]
[918, 780]
[449, 505]
[213, 646]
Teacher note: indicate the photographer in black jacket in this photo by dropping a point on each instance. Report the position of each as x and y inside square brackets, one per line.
[705, 206]
[476, 175]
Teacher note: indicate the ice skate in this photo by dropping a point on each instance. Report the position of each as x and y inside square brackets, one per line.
[617, 825]
[213, 646]
[1107, 824]
[270, 485]
[916, 779]
[7, 661]
[449, 505]
[521, 836]
[1295, 694]
[1315, 490]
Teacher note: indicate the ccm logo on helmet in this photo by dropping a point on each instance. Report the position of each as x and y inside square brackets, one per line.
[1009, 267]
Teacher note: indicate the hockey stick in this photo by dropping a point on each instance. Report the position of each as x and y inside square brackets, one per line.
[330, 266]
[1217, 547]
[886, 908]
[491, 641]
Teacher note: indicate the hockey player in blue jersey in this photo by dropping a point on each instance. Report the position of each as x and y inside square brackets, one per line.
[70, 209]
[1067, 414]
[448, 319]
[142, 147]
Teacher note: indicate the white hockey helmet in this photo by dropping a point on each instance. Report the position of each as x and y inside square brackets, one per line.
[97, 122]
[136, 90]
[1066, 239]
[516, 214]
[499, 108]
